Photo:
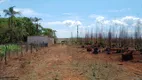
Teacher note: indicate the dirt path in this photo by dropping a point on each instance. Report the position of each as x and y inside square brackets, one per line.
[62, 62]
[54, 65]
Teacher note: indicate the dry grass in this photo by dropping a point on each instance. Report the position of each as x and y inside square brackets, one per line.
[62, 62]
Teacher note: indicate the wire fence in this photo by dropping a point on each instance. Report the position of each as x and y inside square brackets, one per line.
[18, 49]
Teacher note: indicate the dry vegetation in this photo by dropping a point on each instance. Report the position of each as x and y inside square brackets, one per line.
[63, 62]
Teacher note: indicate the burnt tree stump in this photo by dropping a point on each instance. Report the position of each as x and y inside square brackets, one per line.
[96, 50]
[82, 46]
[89, 49]
[127, 56]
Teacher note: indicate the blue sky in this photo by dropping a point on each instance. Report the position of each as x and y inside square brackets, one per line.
[64, 15]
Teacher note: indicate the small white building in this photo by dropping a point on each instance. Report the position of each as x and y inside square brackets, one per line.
[40, 40]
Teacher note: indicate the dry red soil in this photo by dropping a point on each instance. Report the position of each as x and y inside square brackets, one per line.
[63, 62]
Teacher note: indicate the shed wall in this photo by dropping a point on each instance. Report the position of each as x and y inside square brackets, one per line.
[40, 40]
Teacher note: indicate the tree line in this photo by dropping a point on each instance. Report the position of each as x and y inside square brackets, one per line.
[15, 29]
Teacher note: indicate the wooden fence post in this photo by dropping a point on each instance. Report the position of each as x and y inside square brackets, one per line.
[26, 47]
[21, 50]
[36, 47]
[31, 48]
[17, 52]
[5, 55]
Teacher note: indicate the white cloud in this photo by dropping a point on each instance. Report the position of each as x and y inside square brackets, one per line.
[120, 10]
[63, 33]
[119, 23]
[129, 18]
[103, 25]
[94, 16]
[106, 22]
[27, 11]
[68, 23]
[66, 33]
[69, 14]
[55, 23]
[138, 23]
[78, 23]
[124, 21]
[50, 24]
[91, 25]
[72, 23]
[1, 12]
[1, 1]
[30, 12]
[134, 24]
[100, 18]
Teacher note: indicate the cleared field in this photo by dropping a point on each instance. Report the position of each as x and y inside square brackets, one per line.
[63, 62]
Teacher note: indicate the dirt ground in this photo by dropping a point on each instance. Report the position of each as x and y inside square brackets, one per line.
[63, 62]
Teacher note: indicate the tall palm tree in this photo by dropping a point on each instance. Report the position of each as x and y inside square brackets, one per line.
[36, 20]
[11, 13]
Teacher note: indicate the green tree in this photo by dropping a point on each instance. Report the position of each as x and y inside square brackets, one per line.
[36, 20]
[11, 13]
[15, 29]
[50, 33]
